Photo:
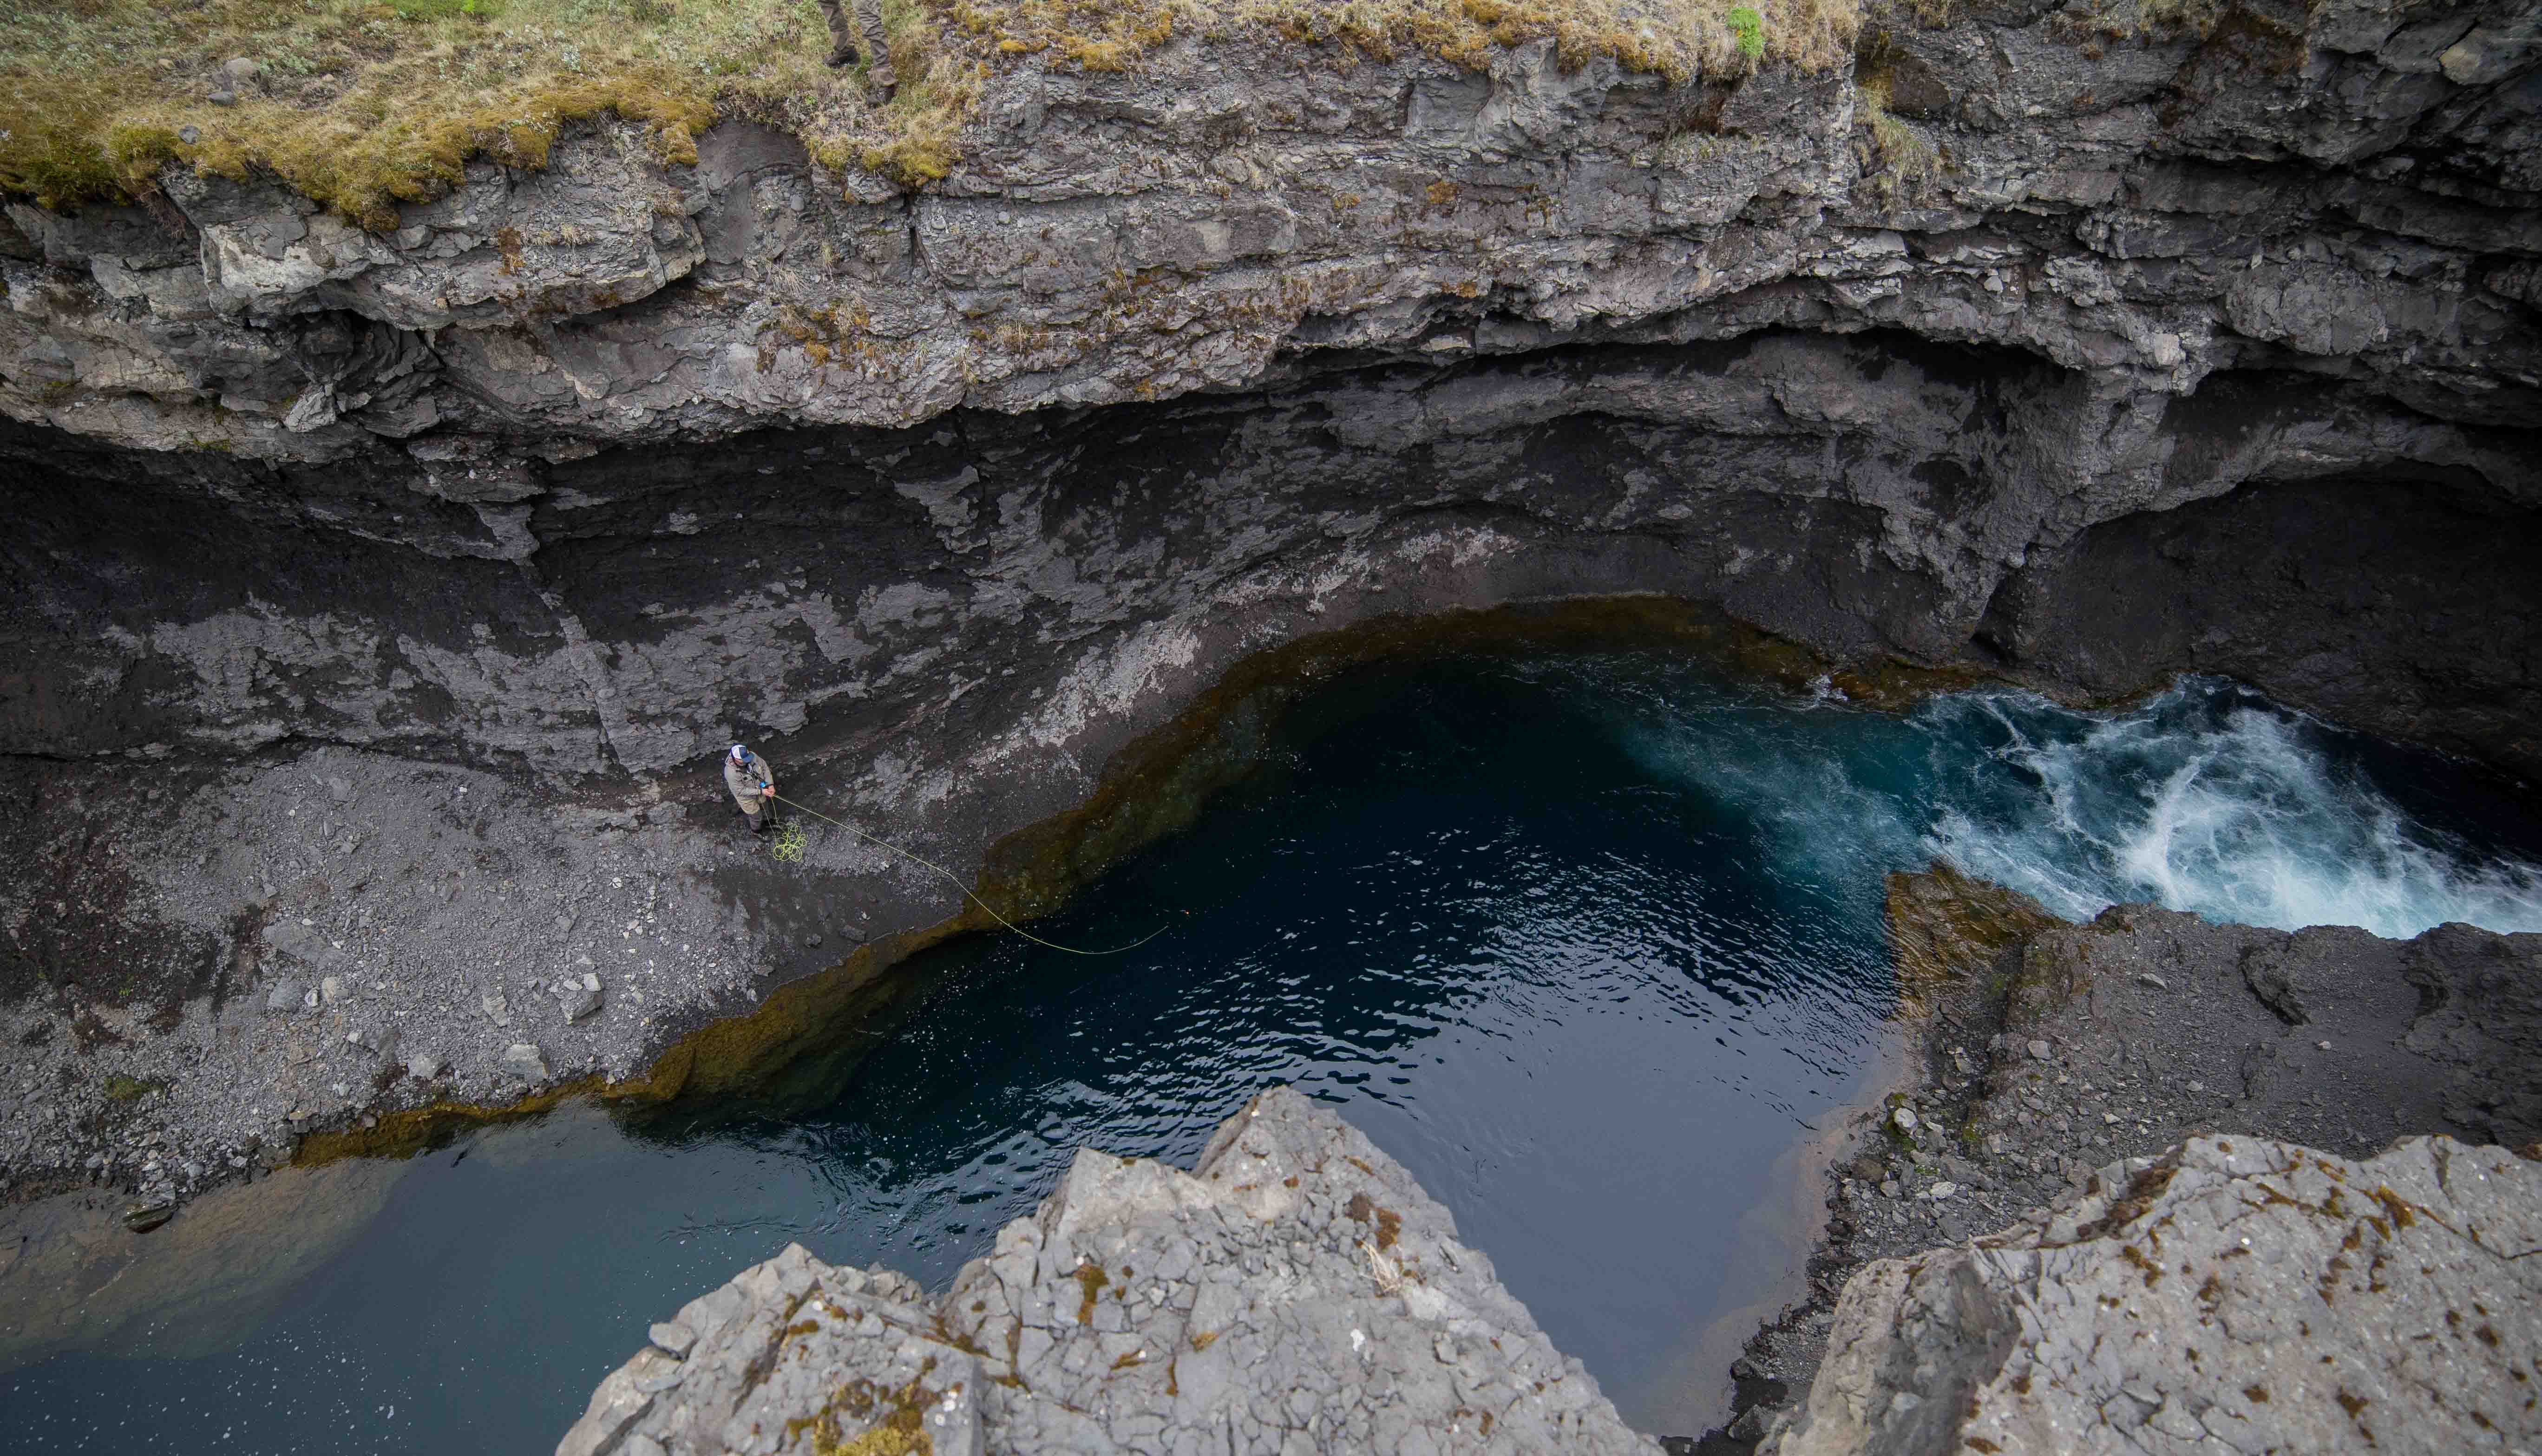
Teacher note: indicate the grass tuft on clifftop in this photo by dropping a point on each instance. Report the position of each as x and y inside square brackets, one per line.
[365, 104]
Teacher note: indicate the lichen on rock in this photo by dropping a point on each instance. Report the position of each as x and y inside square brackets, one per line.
[2234, 1293]
[1295, 1286]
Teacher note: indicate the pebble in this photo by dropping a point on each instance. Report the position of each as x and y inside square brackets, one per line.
[672, 1339]
[523, 1060]
[2148, 978]
[2041, 1051]
[1940, 1190]
[1904, 1117]
[223, 99]
[578, 999]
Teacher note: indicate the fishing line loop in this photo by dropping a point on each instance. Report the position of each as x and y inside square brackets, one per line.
[966, 890]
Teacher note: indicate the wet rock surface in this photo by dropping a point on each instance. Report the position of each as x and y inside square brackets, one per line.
[2070, 346]
[1295, 1290]
[2057, 1061]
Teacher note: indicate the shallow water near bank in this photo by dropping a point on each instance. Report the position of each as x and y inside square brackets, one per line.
[1590, 943]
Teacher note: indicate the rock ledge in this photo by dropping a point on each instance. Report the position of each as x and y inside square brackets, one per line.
[1295, 1290]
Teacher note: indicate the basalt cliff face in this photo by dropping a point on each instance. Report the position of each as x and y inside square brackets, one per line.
[2075, 344]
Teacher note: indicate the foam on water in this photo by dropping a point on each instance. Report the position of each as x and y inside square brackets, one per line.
[2206, 798]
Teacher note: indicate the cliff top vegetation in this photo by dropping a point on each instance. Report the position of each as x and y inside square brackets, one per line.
[363, 104]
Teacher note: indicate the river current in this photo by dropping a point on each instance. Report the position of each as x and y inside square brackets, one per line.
[1591, 943]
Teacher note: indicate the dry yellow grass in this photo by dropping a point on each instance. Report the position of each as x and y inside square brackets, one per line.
[363, 104]
[1675, 39]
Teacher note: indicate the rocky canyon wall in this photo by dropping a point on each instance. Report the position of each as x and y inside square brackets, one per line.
[584, 470]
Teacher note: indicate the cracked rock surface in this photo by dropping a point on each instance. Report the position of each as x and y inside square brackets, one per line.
[1295, 1292]
[2234, 1294]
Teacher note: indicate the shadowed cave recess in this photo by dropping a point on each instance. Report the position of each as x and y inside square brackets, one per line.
[1869, 496]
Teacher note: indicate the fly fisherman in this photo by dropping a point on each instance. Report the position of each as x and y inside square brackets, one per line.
[844, 37]
[753, 788]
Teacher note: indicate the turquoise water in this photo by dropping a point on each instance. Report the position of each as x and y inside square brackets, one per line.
[1589, 943]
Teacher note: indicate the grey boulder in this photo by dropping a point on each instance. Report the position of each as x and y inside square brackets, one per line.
[578, 999]
[524, 1059]
[1296, 1290]
[2234, 1294]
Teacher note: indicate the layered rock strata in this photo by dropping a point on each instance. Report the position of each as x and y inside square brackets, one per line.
[1296, 1290]
[2235, 1293]
[2141, 196]
[2166, 257]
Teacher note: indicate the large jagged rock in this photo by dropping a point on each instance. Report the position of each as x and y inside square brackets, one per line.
[2235, 1294]
[1296, 1290]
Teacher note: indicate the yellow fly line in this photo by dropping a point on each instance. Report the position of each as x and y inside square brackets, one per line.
[965, 889]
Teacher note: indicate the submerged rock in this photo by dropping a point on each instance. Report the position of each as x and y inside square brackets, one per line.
[2235, 1293]
[1295, 1285]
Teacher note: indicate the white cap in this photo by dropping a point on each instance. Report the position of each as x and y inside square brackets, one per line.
[737, 750]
